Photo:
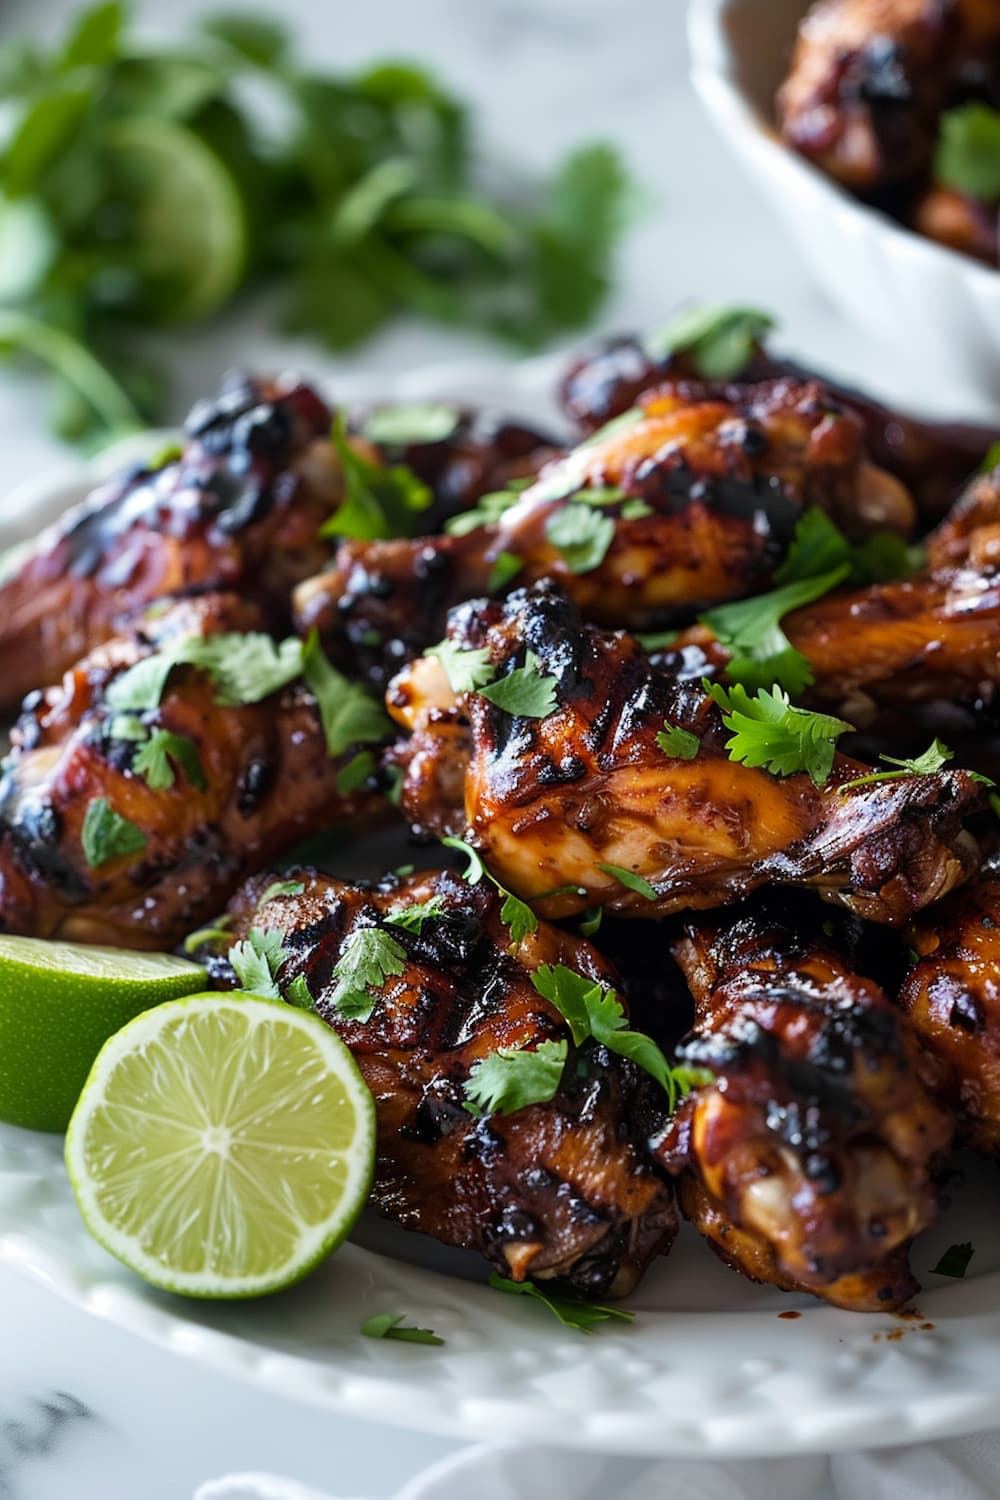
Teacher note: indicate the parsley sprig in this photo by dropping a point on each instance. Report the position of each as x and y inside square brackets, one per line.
[769, 732]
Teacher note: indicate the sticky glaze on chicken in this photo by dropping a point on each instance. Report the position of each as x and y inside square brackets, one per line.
[952, 997]
[268, 782]
[549, 800]
[710, 485]
[933, 460]
[555, 1190]
[809, 1162]
[240, 509]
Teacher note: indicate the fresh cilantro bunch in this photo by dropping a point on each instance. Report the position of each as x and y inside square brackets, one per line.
[150, 184]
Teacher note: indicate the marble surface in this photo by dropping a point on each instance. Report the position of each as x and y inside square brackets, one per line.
[86, 1411]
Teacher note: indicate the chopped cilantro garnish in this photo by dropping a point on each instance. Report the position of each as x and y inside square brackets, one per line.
[298, 993]
[512, 1078]
[505, 568]
[106, 835]
[761, 655]
[348, 714]
[412, 917]
[418, 422]
[583, 1316]
[526, 692]
[156, 759]
[968, 150]
[127, 727]
[582, 536]
[516, 914]
[819, 546]
[615, 427]
[256, 960]
[487, 510]
[356, 772]
[280, 888]
[590, 922]
[630, 880]
[720, 340]
[678, 743]
[653, 641]
[368, 958]
[768, 732]
[955, 1261]
[391, 1326]
[245, 668]
[475, 869]
[934, 758]
[466, 670]
[379, 501]
[216, 932]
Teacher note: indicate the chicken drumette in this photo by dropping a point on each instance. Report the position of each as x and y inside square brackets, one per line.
[559, 1190]
[580, 791]
[809, 1160]
[128, 826]
[692, 501]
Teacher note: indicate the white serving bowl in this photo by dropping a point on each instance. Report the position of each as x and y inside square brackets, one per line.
[943, 308]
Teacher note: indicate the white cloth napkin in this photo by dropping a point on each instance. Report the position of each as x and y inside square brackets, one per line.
[962, 1469]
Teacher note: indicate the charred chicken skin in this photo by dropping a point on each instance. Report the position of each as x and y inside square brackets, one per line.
[92, 849]
[239, 508]
[551, 800]
[809, 1160]
[692, 503]
[553, 1191]
[952, 997]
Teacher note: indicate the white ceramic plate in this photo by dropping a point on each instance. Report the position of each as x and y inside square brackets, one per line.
[942, 307]
[708, 1368]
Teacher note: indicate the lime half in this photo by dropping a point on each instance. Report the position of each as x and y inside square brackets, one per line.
[59, 1003]
[189, 221]
[223, 1145]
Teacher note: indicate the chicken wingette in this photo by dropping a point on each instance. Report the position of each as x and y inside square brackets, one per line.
[563, 784]
[809, 1160]
[165, 768]
[559, 1191]
[239, 506]
[693, 499]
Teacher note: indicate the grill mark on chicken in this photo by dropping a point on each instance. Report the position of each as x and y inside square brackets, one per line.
[809, 1162]
[554, 1191]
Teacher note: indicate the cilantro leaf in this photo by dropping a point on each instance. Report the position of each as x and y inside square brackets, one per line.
[761, 655]
[141, 686]
[349, 716]
[592, 1010]
[655, 640]
[720, 340]
[968, 151]
[934, 758]
[368, 958]
[613, 429]
[390, 1326]
[590, 923]
[379, 501]
[106, 835]
[475, 869]
[583, 1316]
[412, 917]
[466, 670]
[505, 567]
[256, 959]
[487, 510]
[630, 880]
[246, 667]
[216, 932]
[417, 422]
[279, 888]
[678, 743]
[356, 772]
[582, 536]
[955, 1261]
[512, 1078]
[127, 727]
[298, 993]
[819, 546]
[516, 914]
[155, 760]
[526, 692]
[767, 731]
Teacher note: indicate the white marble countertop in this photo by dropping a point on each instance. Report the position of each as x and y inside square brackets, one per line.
[86, 1411]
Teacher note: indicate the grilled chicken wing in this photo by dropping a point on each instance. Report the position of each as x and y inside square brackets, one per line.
[553, 1190]
[808, 1162]
[235, 788]
[240, 508]
[932, 459]
[694, 502]
[551, 800]
[952, 997]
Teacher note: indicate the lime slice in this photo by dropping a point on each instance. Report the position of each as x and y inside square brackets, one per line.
[59, 1003]
[189, 222]
[223, 1145]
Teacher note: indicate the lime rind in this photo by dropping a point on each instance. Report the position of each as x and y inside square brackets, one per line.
[92, 962]
[284, 1086]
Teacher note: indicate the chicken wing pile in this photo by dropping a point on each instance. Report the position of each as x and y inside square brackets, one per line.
[722, 937]
[882, 95]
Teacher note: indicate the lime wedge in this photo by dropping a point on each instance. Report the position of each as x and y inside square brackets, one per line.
[188, 219]
[59, 1003]
[223, 1145]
